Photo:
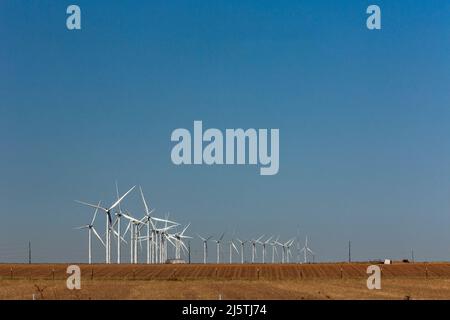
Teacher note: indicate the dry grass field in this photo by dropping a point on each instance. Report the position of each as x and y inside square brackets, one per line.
[195, 281]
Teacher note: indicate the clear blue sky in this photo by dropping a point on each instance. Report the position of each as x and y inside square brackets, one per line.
[363, 117]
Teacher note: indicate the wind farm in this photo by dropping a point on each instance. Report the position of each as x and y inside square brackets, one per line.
[153, 253]
[153, 239]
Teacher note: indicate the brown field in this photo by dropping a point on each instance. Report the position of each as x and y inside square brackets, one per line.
[252, 281]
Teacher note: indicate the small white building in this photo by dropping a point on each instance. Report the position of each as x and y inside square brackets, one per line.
[175, 261]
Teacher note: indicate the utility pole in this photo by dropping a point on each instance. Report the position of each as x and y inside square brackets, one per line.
[189, 250]
[29, 252]
[349, 251]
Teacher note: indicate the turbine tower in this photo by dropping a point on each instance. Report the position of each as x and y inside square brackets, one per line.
[119, 214]
[242, 242]
[264, 249]
[148, 221]
[274, 248]
[254, 242]
[218, 246]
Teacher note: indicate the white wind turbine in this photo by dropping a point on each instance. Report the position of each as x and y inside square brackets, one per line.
[305, 250]
[154, 235]
[119, 214]
[232, 246]
[264, 243]
[274, 244]
[242, 243]
[108, 212]
[161, 235]
[165, 236]
[283, 252]
[254, 242]
[148, 221]
[133, 226]
[205, 247]
[288, 249]
[178, 237]
[91, 229]
[218, 241]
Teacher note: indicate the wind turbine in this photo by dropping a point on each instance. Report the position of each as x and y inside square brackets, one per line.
[179, 241]
[108, 221]
[133, 226]
[264, 249]
[148, 221]
[91, 229]
[288, 249]
[218, 246]
[161, 244]
[306, 249]
[164, 237]
[205, 247]
[254, 242]
[274, 248]
[242, 242]
[284, 252]
[119, 214]
[232, 246]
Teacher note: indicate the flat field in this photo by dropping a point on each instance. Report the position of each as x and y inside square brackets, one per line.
[236, 281]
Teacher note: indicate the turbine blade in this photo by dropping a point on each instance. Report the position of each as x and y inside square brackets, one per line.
[130, 218]
[127, 228]
[183, 245]
[268, 240]
[82, 227]
[203, 239]
[165, 220]
[143, 200]
[95, 213]
[91, 205]
[121, 198]
[117, 194]
[170, 240]
[182, 232]
[118, 236]
[98, 236]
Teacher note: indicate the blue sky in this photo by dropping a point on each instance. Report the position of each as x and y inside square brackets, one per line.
[363, 118]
